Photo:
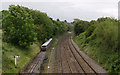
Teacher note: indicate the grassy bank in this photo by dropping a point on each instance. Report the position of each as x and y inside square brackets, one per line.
[106, 57]
[0, 51]
[8, 53]
[99, 39]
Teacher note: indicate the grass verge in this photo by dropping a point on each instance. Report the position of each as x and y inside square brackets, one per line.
[8, 53]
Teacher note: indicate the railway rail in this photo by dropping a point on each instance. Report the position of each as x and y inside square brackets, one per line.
[34, 65]
[70, 59]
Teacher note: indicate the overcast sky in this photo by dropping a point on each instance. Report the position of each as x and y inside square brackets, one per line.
[70, 9]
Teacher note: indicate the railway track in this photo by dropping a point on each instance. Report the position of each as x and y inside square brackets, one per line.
[70, 60]
[34, 65]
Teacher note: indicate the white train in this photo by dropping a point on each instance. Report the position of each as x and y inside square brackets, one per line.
[46, 45]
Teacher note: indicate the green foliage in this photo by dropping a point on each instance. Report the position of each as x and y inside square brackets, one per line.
[43, 21]
[108, 32]
[80, 26]
[101, 39]
[0, 20]
[119, 34]
[0, 23]
[60, 27]
[90, 30]
[78, 29]
[23, 26]
[8, 53]
[115, 67]
[18, 26]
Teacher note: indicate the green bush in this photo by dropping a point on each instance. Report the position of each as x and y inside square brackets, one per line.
[78, 29]
[115, 67]
[108, 32]
[101, 41]
[80, 26]
[90, 30]
[18, 27]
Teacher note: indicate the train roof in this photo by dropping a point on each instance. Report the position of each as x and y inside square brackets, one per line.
[46, 43]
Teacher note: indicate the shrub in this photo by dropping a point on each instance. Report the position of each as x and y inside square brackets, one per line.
[90, 30]
[78, 29]
[80, 26]
[108, 32]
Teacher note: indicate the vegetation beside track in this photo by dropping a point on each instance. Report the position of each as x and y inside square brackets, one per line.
[99, 39]
[0, 51]
[8, 53]
[22, 28]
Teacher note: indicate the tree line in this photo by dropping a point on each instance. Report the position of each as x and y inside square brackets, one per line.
[104, 28]
[23, 26]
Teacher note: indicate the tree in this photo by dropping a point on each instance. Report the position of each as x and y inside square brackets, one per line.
[78, 29]
[18, 26]
[80, 26]
[58, 20]
[23, 26]
[65, 21]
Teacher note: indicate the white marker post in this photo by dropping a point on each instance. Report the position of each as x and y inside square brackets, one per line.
[16, 60]
[49, 61]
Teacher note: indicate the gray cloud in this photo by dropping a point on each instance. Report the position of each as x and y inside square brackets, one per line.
[68, 10]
